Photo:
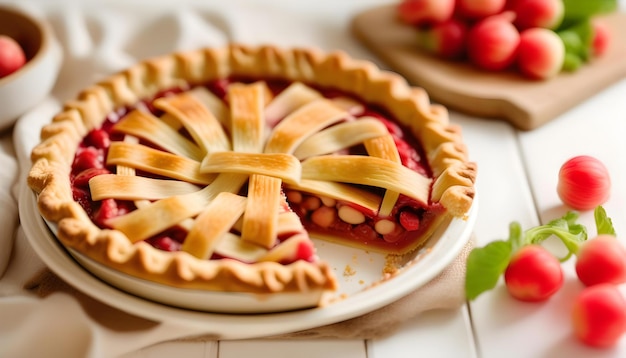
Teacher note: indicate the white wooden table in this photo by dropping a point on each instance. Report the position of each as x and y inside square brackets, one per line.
[517, 182]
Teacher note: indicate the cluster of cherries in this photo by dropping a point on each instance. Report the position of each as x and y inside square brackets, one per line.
[495, 35]
[532, 273]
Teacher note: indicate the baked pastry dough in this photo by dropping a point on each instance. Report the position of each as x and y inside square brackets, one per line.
[208, 169]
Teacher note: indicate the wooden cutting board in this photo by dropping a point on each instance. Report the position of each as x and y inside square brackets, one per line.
[525, 103]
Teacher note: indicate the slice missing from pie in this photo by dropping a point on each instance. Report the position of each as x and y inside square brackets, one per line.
[212, 169]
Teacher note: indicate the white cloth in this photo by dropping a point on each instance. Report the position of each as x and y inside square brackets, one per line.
[98, 40]
[8, 205]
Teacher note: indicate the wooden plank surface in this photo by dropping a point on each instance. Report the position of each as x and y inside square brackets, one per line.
[525, 103]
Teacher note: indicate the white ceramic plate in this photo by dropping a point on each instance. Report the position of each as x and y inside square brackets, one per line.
[356, 271]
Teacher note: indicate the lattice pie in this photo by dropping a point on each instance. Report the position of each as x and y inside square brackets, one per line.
[211, 169]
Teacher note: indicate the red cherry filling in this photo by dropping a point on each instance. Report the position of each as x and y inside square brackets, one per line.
[88, 158]
[323, 216]
[362, 226]
[409, 219]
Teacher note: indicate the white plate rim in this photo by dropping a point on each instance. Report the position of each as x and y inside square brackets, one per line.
[238, 326]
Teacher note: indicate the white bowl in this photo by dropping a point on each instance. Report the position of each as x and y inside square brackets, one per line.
[23, 89]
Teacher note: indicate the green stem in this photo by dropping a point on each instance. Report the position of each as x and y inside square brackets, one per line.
[571, 234]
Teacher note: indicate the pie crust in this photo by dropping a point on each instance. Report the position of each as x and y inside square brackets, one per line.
[225, 148]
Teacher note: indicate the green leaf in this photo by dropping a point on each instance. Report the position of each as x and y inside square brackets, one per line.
[577, 38]
[572, 41]
[516, 238]
[538, 234]
[566, 228]
[571, 217]
[571, 62]
[604, 224]
[485, 265]
[580, 9]
[576, 235]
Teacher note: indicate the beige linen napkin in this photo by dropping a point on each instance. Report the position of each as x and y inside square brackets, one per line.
[8, 205]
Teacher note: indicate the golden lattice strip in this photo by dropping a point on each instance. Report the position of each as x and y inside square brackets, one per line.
[126, 187]
[212, 223]
[214, 104]
[122, 169]
[371, 171]
[340, 136]
[230, 182]
[351, 105]
[204, 128]
[231, 245]
[148, 221]
[302, 123]
[287, 101]
[247, 118]
[146, 126]
[385, 147]
[171, 121]
[287, 249]
[339, 191]
[288, 223]
[278, 165]
[152, 219]
[260, 221]
[157, 162]
[209, 100]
